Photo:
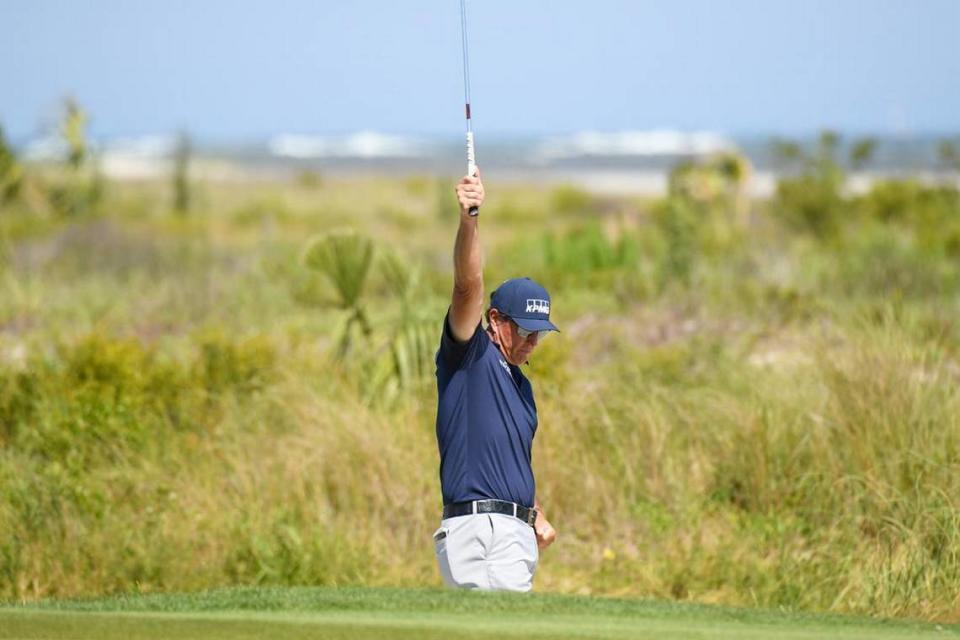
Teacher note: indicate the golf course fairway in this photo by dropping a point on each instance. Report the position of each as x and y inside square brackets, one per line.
[407, 614]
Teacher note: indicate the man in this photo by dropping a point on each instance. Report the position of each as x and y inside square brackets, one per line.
[493, 526]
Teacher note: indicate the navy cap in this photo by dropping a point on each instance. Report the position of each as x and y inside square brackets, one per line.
[526, 302]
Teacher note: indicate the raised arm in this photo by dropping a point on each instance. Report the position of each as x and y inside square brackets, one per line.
[466, 307]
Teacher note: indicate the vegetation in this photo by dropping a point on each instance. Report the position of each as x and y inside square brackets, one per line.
[72, 189]
[11, 173]
[78, 190]
[750, 406]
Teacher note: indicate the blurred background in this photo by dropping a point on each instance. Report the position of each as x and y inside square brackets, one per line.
[225, 240]
[608, 96]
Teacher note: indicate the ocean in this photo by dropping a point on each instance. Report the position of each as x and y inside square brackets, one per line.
[606, 162]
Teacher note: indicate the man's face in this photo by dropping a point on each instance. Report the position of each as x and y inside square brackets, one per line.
[515, 348]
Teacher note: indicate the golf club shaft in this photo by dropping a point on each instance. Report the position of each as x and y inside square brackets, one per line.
[471, 155]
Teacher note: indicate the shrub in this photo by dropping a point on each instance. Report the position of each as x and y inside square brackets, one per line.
[100, 398]
[227, 364]
[811, 203]
[88, 406]
[813, 199]
[17, 403]
[880, 261]
[679, 225]
[586, 248]
[932, 212]
[892, 200]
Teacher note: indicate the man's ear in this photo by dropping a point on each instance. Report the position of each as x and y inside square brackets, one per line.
[493, 321]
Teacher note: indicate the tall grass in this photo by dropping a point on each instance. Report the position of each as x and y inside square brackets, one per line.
[740, 415]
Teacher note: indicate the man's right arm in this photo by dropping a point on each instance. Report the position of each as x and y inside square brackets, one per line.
[466, 307]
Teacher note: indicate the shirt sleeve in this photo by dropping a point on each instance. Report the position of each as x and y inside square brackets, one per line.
[459, 355]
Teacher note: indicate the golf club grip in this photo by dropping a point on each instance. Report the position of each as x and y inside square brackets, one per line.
[471, 167]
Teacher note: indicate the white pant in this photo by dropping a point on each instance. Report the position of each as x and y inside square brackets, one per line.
[488, 551]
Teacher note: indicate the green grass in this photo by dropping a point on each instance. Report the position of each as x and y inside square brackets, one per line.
[395, 613]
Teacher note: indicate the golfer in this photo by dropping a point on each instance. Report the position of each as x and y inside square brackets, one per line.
[493, 527]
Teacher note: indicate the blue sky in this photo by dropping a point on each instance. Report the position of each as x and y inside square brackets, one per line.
[245, 70]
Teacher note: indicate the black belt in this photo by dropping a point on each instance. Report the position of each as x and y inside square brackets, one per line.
[455, 509]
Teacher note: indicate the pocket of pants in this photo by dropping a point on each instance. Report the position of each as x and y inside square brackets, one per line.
[443, 560]
[440, 540]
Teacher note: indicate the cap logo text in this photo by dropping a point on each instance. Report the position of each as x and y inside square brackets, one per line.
[535, 305]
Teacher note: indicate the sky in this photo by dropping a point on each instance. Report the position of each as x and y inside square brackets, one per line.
[245, 69]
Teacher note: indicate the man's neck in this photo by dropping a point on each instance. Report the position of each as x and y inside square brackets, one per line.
[493, 339]
[496, 342]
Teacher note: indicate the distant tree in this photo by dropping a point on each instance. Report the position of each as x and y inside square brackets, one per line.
[182, 192]
[82, 188]
[11, 173]
[787, 150]
[948, 153]
[73, 129]
[861, 154]
[828, 143]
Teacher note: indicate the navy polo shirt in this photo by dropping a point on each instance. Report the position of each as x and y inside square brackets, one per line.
[486, 420]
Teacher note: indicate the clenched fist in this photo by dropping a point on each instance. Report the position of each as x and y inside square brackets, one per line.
[469, 193]
[546, 534]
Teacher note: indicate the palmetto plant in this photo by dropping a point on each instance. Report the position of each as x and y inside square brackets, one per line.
[412, 334]
[401, 339]
[344, 257]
